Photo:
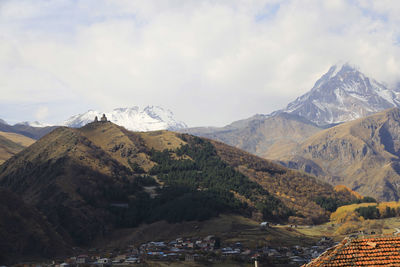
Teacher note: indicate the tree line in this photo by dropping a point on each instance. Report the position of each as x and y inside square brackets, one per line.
[198, 185]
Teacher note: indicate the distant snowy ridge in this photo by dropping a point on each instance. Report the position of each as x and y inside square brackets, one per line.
[343, 94]
[151, 118]
[34, 124]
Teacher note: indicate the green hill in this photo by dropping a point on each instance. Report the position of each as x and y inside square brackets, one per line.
[101, 177]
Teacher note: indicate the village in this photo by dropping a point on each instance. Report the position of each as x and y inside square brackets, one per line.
[208, 249]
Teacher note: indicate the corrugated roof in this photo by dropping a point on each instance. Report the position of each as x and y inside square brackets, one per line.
[373, 251]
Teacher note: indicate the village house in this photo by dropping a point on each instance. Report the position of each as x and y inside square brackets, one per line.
[189, 257]
[372, 251]
[82, 259]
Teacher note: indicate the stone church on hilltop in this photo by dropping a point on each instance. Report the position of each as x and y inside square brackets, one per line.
[103, 119]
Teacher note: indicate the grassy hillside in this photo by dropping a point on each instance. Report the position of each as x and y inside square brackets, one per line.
[18, 138]
[297, 190]
[93, 180]
[11, 144]
[229, 228]
[25, 233]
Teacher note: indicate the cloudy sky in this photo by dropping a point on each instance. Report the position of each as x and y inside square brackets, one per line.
[210, 62]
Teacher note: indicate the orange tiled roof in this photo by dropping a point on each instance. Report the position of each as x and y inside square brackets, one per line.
[374, 251]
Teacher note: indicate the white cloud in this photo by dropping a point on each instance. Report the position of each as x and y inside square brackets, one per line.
[211, 62]
[41, 113]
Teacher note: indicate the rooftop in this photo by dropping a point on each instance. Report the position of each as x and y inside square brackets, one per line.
[373, 251]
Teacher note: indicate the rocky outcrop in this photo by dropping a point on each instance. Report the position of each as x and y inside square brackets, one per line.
[363, 154]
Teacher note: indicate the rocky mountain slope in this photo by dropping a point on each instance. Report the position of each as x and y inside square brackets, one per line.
[11, 144]
[267, 136]
[343, 94]
[151, 118]
[363, 154]
[100, 177]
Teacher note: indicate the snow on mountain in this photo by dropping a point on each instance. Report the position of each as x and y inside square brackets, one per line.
[34, 124]
[151, 118]
[343, 94]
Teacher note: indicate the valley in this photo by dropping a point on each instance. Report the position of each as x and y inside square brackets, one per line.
[91, 182]
[227, 240]
[199, 133]
[278, 188]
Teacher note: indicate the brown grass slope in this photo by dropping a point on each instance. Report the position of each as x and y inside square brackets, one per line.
[26, 130]
[24, 232]
[65, 175]
[267, 136]
[363, 154]
[56, 172]
[18, 138]
[11, 144]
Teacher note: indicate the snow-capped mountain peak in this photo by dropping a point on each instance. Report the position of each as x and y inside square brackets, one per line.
[343, 94]
[151, 118]
[340, 67]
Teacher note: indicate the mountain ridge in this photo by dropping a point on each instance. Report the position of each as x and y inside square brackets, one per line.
[363, 154]
[26, 130]
[261, 133]
[75, 177]
[343, 94]
[150, 118]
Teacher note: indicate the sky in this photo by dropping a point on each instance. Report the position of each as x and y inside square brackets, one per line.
[210, 62]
